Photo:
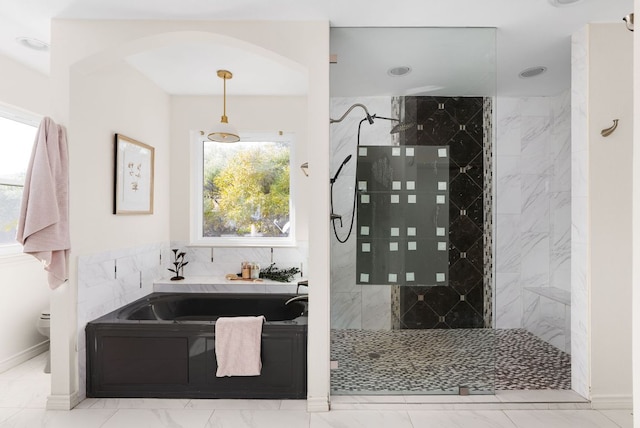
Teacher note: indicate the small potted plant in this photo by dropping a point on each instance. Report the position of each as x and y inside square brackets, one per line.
[179, 264]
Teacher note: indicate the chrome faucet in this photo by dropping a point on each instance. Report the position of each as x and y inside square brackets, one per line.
[304, 297]
[304, 282]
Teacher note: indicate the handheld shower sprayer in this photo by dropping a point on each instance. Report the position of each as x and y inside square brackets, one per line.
[334, 216]
[344, 162]
[398, 127]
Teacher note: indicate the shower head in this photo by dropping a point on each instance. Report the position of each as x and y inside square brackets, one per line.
[402, 126]
[370, 118]
[344, 162]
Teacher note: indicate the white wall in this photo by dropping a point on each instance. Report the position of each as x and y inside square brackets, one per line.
[610, 186]
[24, 88]
[25, 291]
[78, 66]
[103, 100]
[113, 99]
[635, 283]
[601, 213]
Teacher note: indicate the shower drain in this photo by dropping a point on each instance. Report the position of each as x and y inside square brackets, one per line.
[374, 355]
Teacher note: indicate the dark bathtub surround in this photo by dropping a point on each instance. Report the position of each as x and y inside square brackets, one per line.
[463, 125]
[163, 345]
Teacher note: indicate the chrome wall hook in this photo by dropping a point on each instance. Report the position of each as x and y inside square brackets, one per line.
[608, 131]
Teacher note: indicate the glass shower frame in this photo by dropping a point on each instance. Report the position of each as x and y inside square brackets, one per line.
[367, 342]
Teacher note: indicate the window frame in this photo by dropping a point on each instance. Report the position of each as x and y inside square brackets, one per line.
[196, 196]
[27, 118]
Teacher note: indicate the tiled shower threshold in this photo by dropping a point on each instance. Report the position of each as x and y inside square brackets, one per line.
[501, 400]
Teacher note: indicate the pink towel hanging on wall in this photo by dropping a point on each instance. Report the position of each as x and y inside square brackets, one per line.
[43, 225]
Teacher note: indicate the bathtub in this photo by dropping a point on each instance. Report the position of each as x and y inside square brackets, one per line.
[162, 345]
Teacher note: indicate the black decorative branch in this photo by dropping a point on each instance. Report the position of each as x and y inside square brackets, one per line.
[179, 264]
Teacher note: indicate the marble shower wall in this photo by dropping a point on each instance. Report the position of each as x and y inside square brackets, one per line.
[352, 305]
[579, 215]
[533, 206]
[459, 124]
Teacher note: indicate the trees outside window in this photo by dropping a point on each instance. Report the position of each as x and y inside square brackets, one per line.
[16, 143]
[246, 189]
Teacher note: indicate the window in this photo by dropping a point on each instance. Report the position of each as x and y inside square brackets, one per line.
[17, 134]
[244, 192]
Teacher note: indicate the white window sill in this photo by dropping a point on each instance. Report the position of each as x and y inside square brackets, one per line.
[16, 258]
[10, 250]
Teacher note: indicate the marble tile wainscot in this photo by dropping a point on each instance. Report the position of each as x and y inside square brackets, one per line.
[547, 314]
[112, 279]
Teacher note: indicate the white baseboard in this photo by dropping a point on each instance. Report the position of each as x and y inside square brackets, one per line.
[63, 402]
[317, 404]
[612, 401]
[23, 356]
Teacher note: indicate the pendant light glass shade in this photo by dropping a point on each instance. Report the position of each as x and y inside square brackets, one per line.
[224, 132]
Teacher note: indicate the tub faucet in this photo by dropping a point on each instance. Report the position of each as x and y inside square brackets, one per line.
[304, 297]
[304, 282]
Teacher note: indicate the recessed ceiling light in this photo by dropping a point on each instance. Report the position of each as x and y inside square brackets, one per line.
[533, 71]
[399, 71]
[563, 3]
[32, 43]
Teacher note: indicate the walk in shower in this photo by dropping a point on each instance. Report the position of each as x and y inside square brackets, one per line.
[412, 260]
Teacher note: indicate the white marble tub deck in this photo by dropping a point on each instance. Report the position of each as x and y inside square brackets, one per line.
[212, 284]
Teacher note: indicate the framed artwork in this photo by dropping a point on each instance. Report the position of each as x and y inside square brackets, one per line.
[133, 177]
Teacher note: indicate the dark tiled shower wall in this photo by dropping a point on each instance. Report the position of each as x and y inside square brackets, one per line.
[460, 124]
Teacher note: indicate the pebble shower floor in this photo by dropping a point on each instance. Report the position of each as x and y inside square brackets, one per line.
[441, 361]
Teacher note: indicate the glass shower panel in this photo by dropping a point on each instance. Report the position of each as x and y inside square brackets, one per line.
[403, 215]
[412, 281]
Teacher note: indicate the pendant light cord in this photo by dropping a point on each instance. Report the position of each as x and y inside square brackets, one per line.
[224, 97]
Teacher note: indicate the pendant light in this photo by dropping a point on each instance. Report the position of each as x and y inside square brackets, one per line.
[224, 132]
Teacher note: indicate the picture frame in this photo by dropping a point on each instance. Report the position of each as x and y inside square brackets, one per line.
[133, 176]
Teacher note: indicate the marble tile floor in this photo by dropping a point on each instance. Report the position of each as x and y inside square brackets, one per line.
[23, 392]
[440, 361]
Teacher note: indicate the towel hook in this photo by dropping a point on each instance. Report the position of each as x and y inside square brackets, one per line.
[304, 167]
[608, 131]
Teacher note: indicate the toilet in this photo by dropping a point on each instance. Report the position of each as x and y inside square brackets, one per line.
[43, 326]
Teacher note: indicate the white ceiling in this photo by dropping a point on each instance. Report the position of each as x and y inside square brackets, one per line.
[529, 33]
[443, 61]
[190, 69]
